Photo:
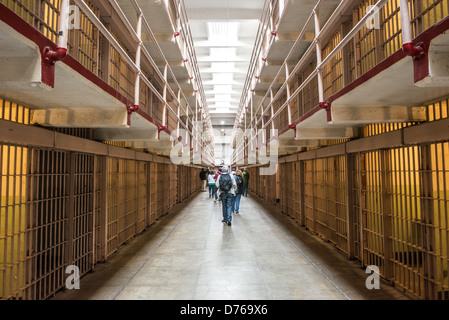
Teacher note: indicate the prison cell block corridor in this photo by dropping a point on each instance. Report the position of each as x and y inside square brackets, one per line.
[337, 109]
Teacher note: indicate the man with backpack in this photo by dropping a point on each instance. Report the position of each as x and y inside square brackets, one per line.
[226, 191]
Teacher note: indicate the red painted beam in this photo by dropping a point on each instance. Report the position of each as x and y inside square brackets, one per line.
[48, 69]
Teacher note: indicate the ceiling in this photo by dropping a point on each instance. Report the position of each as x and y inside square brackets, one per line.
[223, 34]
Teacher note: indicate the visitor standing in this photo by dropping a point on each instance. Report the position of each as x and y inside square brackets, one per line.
[203, 178]
[245, 176]
[214, 187]
[211, 183]
[217, 174]
[238, 191]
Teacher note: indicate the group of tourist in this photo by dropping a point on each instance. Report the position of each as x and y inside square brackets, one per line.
[226, 186]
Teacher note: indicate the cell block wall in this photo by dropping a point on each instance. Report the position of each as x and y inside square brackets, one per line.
[62, 208]
[385, 207]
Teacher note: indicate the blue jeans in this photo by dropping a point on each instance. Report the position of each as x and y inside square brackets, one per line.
[214, 192]
[245, 189]
[237, 198]
[227, 200]
[211, 189]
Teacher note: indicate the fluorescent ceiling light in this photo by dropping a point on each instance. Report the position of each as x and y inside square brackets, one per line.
[223, 97]
[223, 31]
[223, 88]
[222, 105]
[223, 53]
[223, 77]
[222, 66]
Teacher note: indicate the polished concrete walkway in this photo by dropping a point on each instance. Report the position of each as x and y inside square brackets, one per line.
[190, 254]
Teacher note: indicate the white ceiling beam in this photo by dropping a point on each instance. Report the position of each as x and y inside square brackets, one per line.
[208, 14]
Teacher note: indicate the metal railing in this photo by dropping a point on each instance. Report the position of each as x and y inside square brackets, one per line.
[85, 44]
[315, 46]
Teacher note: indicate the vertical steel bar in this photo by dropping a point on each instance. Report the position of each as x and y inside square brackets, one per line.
[7, 219]
[13, 216]
[69, 226]
[318, 54]
[446, 204]
[428, 222]
[27, 227]
[411, 218]
[94, 211]
[165, 96]
[287, 76]
[402, 214]
[385, 181]
[138, 55]
[350, 212]
[3, 191]
[104, 207]
[396, 214]
[149, 194]
[438, 213]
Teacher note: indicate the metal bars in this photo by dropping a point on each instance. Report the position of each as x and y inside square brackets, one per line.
[47, 238]
[83, 194]
[122, 202]
[14, 112]
[426, 13]
[61, 208]
[93, 44]
[13, 219]
[351, 52]
[397, 203]
[83, 44]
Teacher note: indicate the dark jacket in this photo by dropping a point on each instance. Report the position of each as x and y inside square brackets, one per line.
[239, 185]
[245, 177]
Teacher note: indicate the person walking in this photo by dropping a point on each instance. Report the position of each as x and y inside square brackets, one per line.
[211, 183]
[226, 188]
[238, 191]
[245, 176]
[217, 174]
[203, 178]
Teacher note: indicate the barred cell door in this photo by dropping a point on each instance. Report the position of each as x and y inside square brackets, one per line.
[60, 220]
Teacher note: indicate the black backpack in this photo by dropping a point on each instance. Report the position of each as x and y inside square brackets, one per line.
[238, 181]
[225, 183]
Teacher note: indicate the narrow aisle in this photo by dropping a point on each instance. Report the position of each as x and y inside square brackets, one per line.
[190, 254]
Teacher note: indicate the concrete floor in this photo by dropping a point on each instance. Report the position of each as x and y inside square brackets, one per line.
[190, 254]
